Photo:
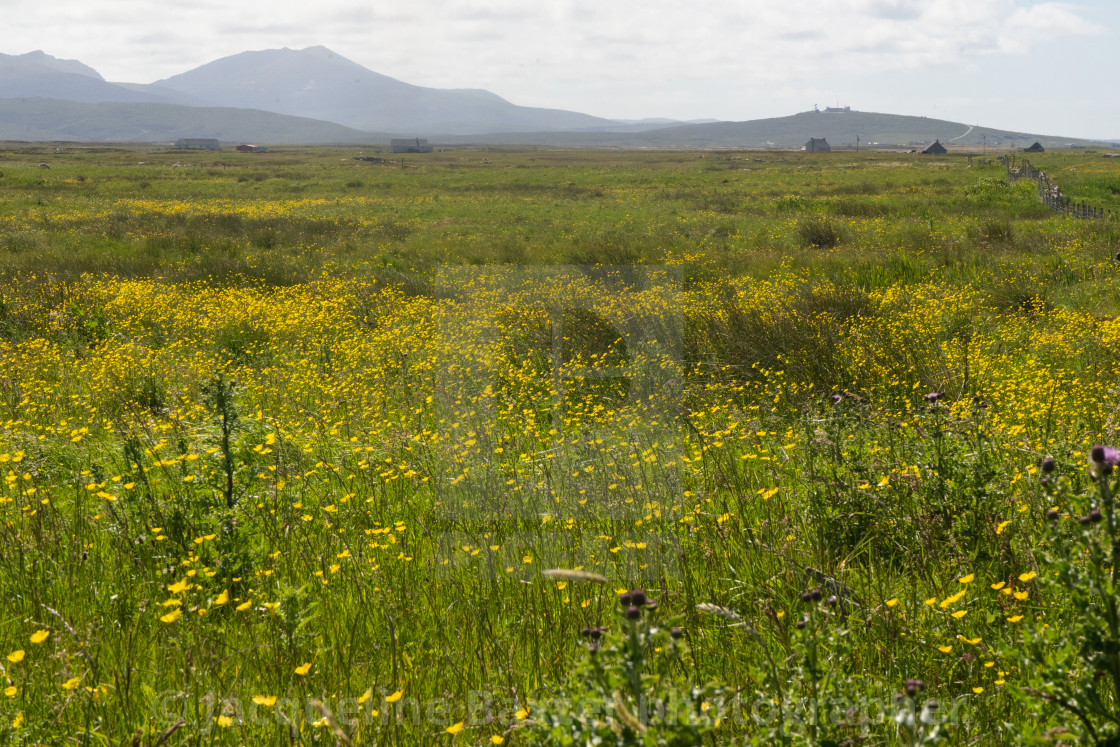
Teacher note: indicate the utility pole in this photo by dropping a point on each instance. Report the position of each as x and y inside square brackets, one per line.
[857, 143]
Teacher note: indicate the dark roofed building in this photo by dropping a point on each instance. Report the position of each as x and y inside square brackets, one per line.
[1036, 148]
[816, 145]
[409, 145]
[937, 149]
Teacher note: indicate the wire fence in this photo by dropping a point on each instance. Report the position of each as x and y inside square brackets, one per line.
[1051, 194]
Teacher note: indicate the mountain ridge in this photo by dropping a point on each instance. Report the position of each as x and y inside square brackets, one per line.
[319, 83]
[314, 95]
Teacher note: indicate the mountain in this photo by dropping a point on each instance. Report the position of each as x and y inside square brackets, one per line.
[64, 66]
[38, 119]
[39, 75]
[315, 82]
[316, 96]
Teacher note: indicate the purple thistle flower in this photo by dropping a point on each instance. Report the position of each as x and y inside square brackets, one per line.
[1105, 455]
[1104, 459]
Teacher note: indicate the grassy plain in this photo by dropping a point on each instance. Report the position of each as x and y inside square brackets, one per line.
[291, 428]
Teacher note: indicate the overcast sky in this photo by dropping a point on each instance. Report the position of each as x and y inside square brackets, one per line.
[1038, 66]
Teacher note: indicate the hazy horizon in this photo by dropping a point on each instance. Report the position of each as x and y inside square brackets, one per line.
[1040, 67]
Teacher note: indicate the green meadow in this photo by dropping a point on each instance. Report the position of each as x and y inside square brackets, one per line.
[547, 446]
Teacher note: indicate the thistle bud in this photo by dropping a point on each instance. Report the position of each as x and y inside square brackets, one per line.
[913, 687]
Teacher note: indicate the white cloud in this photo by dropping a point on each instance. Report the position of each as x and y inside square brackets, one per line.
[1039, 23]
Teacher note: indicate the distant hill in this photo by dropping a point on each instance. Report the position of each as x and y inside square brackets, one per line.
[842, 128]
[38, 75]
[316, 82]
[51, 119]
[839, 128]
[63, 66]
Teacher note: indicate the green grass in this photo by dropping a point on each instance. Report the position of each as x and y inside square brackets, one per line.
[480, 207]
[258, 369]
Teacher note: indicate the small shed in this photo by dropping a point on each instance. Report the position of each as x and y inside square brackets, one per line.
[409, 145]
[816, 145]
[250, 149]
[937, 149]
[198, 143]
[1036, 148]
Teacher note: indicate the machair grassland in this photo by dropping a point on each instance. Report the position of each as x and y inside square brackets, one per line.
[288, 441]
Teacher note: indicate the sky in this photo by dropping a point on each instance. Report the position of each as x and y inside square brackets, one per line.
[1028, 65]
